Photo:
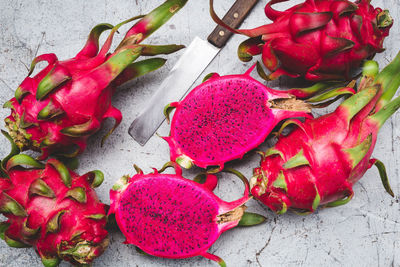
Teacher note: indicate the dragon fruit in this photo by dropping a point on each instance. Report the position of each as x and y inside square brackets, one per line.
[169, 216]
[319, 162]
[52, 209]
[225, 117]
[318, 39]
[55, 111]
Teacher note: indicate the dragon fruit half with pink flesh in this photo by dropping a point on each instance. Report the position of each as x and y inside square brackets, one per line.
[169, 216]
[318, 39]
[226, 116]
[52, 209]
[55, 111]
[319, 162]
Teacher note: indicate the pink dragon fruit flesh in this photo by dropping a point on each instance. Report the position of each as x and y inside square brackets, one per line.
[226, 116]
[166, 215]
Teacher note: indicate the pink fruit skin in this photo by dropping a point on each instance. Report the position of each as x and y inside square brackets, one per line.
[81, 223]
[169, 216]
[320, 161]
[223, 118]
[77, 104]
[55, 111]
[318, 39]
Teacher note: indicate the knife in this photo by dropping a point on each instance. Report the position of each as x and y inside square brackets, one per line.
[195, 59]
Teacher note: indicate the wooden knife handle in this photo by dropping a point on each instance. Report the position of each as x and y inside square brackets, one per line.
[234, 17]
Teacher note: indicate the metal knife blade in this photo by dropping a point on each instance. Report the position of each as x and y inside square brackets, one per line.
[195, 59]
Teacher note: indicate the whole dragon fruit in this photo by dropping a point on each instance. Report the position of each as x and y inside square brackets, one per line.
[52, 209]
[225, 117]
[318, 39]
[319, 162]
[55, 111]
[166, 215]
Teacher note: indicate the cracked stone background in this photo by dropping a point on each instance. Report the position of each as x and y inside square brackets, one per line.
[365, 232]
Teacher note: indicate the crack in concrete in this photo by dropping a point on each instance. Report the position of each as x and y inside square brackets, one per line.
[9, 88]
[306, 257]
[376, 217]
[365, 192]
[39, 44]
[381, 233]
[333, 257]
[265, 246]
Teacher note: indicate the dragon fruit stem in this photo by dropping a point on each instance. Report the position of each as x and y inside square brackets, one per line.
[310, 91]
[14, 151]
[23, 159]
[356, 103]
[370, 69]
[154, 50]
[215, 258]
[382, 115]
[389, 79]
[50, 58]
[249, 48]
[384, 19]
[154, 20]
[382, 173]
[107, 44]
[92, 44]
[138, 69]
[251, 219]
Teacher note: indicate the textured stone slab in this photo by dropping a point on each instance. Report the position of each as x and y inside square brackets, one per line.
[365, 232]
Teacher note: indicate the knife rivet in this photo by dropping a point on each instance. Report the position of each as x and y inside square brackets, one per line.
[221, 33]
[236, 15]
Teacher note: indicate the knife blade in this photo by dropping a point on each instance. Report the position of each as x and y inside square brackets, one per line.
[195, 59]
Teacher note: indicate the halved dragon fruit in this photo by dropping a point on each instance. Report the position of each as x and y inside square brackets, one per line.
[225, 117]
[167, 215]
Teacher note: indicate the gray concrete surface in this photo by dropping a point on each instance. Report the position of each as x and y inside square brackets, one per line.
[364, 232]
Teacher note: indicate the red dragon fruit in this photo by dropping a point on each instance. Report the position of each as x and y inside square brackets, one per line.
[225, 117]
[317, 39]
[169, 216]
[55, 111]
[319, 162]
[52, 209]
